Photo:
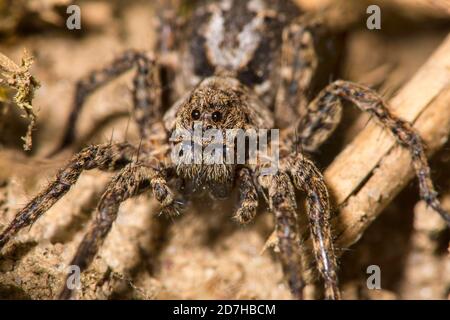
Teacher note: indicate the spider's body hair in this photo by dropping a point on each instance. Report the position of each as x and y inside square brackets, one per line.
[248, 64]
[264, 45]
[239, 108]
[241, 37]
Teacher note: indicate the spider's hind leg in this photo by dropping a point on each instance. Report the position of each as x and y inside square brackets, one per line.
[308, 178]
[299, 64]
[310, 52]
[322, 117]
[248, 197]
[146, 91]
[104, 157]
[282, 203]
[369, 101]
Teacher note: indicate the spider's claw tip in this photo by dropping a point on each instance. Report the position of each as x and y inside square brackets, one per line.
[173, 209]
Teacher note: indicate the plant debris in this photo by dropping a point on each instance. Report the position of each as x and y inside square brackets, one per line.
[19, 79]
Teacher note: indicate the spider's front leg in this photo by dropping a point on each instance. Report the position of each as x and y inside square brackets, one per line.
[146, 91]
[281, 197]
[132, 180]
[307, 178]
[104, 157]
[248, 197]
[325, 114]
[299, 172]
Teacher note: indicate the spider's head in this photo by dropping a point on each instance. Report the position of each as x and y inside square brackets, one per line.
[201, 123]
[216, 103]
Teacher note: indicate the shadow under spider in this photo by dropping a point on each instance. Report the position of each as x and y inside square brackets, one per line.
[17, 251]
[66, 233]
[8, 292]
[386, 243]
[94, 132]
[216, 226]
[149, 260]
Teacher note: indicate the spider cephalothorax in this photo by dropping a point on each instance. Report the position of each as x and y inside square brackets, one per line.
[210, 114]
[242, 65]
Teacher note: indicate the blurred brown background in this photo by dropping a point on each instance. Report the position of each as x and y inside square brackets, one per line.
[201, 254]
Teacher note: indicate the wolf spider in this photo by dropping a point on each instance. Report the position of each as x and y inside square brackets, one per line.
[245, 64]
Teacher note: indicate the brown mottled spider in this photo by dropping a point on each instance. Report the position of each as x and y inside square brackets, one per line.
[239, 65]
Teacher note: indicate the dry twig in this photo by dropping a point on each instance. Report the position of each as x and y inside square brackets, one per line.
[380, 168]
[373, 169]
[419, 8]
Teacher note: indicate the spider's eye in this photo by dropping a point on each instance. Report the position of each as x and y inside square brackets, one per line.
[195, 114]
[216, 116]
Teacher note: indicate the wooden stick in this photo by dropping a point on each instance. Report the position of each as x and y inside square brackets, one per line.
[420, 8]
[372, 169]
